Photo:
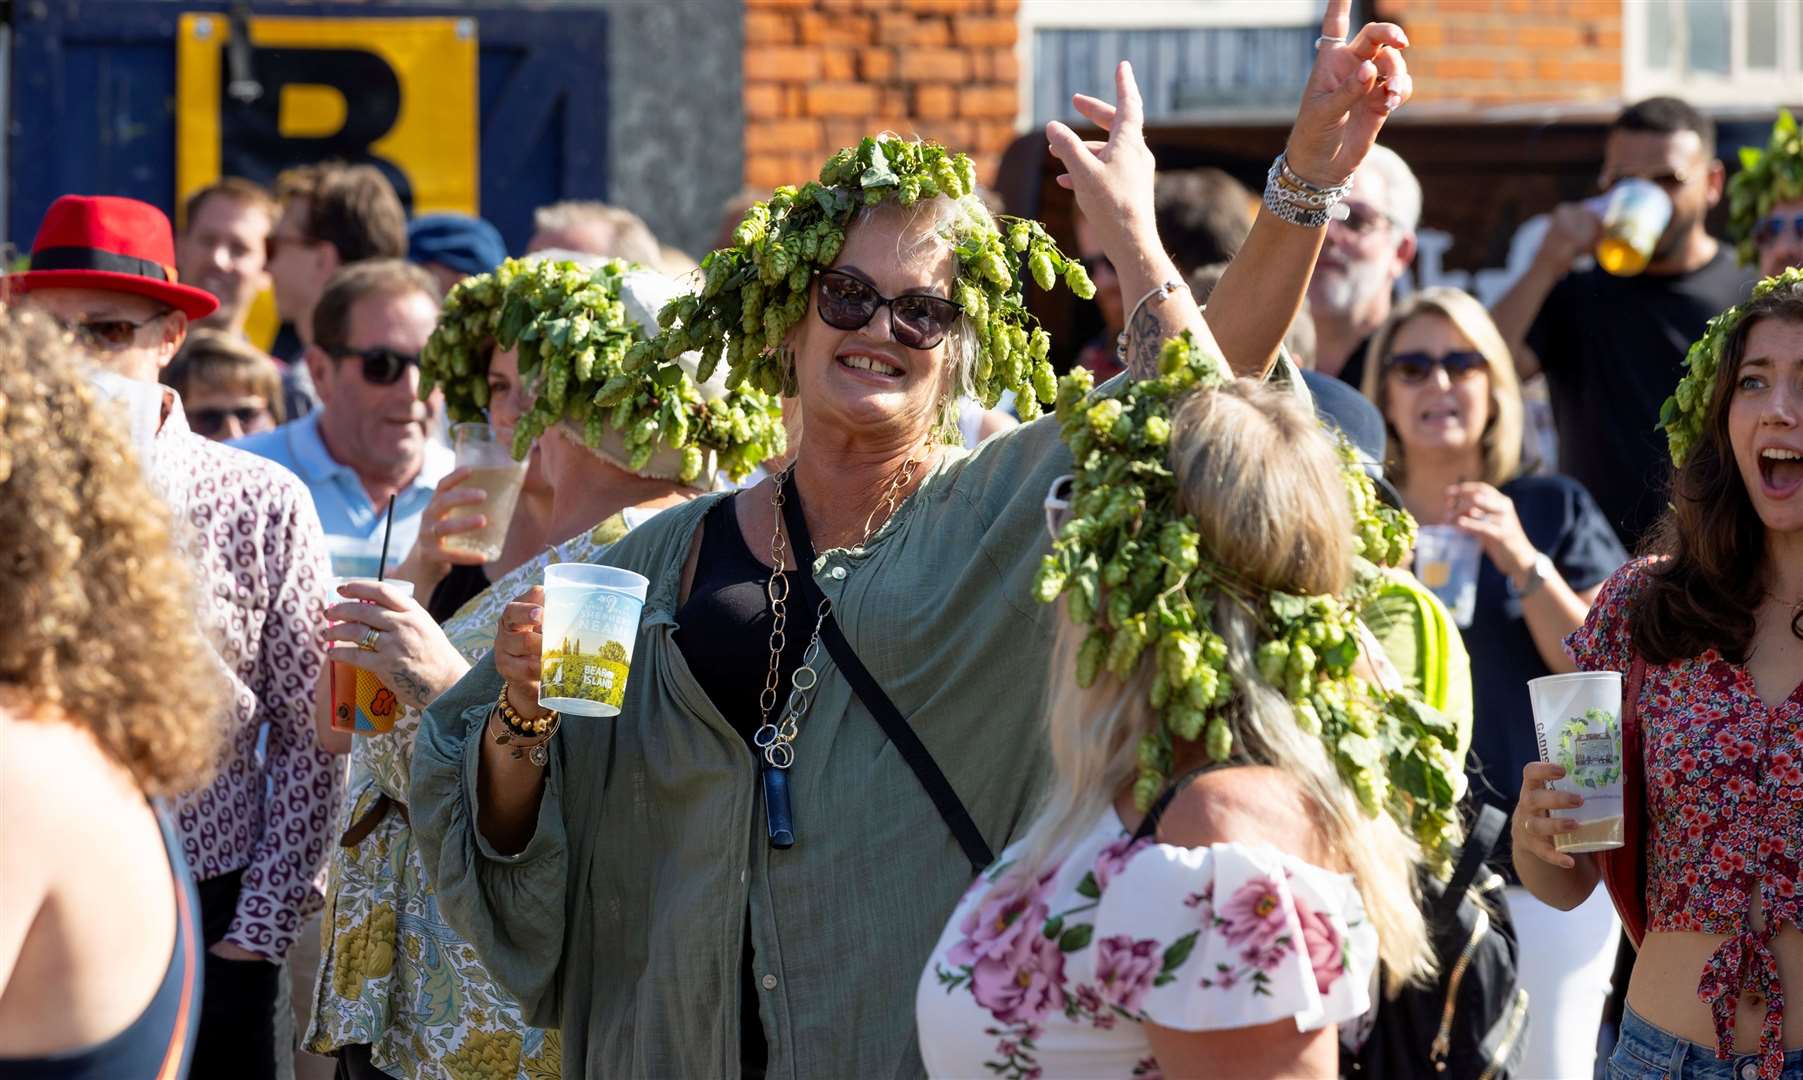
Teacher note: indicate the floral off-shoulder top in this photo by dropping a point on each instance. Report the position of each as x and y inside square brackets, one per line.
[1056, 980]
[1724, 778]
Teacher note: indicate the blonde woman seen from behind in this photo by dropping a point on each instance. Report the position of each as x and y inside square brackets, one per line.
[108, 698]
[1274, 832]
[1441, 374]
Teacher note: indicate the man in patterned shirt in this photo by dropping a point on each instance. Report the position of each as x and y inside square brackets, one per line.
[256, 836]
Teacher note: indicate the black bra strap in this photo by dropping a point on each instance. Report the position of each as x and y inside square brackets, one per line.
[893, 723]
[1148, 825]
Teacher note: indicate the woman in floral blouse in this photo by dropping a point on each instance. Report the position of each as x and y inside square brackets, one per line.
[1715, 624]
[1238, 935]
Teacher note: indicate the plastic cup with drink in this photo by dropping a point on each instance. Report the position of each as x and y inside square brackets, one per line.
[1635, 213]
[494, 472]
[361, 704]
[591, 621]
[1577, 719]
[1446, 561]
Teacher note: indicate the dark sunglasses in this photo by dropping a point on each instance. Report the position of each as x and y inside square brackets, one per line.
[917, 321]
[1362, 219]
[382, 366]
[1096, 264]
[109, 335]
[1418, 367]
[1773, 227]
[211, 421]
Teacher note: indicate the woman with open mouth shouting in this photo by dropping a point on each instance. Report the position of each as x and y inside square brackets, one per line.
[1709, 633]
[833, 713]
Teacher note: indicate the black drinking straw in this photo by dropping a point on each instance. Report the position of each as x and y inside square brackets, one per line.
[387, 531]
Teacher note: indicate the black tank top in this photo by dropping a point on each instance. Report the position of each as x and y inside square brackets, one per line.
[159, 1044]
[723, 629]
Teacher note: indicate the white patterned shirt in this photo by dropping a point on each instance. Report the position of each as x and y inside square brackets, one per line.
[249, 528]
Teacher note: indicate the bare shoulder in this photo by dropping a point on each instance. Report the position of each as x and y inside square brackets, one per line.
[1247, 804]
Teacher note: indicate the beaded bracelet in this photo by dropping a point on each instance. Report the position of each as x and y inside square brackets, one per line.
[514, 726]
[1298, 201]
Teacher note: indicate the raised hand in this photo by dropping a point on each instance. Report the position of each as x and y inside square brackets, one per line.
[1112, 180]
[1353, 89]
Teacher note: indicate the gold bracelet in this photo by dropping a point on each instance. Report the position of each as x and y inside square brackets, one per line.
[519, 725]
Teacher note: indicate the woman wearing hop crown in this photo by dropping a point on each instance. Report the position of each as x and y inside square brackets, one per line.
[743, 872]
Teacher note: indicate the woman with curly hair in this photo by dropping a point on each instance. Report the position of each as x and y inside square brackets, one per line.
[108, 699]
[1709, 633]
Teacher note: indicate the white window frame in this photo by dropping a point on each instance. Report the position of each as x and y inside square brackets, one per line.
[1741, 86]
[1036, 15]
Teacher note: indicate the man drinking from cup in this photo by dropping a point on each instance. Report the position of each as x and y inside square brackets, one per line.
[255, 836]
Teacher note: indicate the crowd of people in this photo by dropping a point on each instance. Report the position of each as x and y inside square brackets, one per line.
[1121, 741]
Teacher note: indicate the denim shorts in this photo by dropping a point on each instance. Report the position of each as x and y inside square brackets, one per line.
[1644, 1052]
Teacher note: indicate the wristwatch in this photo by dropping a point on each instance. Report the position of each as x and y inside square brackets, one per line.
[1537, 574]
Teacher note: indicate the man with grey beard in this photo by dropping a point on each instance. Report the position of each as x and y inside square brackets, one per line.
[1365, 254]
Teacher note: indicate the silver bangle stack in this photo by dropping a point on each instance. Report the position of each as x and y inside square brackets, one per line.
[1299, 202]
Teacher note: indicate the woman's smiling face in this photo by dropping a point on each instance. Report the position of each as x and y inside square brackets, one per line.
[865, 381]
[1447, 410]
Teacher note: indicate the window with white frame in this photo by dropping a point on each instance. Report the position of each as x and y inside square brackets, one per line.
[1192, 58]
[1714, 52]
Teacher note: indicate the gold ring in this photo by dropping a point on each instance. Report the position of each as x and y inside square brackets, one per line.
[370, 637]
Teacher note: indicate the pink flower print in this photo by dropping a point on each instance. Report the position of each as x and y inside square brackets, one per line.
[1322, 943]
[1125, 969]
[1253, 916]
[1114, 857]
[995, 926]
[1203, 902]
[1023, 986]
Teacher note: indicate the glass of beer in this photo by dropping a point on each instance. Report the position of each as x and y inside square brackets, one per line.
[591, 621]
[361, 705]
[1577, 719]
[1635, 213]
[493, 472]
[1446, 561]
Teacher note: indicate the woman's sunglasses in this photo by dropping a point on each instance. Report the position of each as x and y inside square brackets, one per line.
[382, 366]
[1773, 227]
[916, 320]
[1418, 367]
[210, 421]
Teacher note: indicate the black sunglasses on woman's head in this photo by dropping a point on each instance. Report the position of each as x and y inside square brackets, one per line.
[917, 320]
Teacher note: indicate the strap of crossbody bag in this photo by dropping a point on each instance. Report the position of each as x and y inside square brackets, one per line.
[893, 723]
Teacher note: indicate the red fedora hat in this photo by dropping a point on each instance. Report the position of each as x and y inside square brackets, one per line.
[105, 242]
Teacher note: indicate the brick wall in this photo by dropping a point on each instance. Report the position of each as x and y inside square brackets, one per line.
[821, 74]
[1504, 52]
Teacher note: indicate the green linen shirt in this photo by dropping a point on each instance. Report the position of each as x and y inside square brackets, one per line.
[622, 920]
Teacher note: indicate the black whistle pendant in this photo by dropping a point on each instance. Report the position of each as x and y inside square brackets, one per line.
[776, 808]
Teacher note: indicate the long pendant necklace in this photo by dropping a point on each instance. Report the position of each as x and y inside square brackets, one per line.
[776, 741]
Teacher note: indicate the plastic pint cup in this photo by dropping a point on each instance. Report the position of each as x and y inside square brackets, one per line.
[1577, 719]
[494, 473]
[591, 621]
[360, 703]
[1635, 213]
[1446, 561]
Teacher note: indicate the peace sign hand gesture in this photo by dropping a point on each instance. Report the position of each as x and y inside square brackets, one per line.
[1353, 89]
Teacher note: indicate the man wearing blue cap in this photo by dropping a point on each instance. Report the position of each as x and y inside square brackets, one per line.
[452, 247]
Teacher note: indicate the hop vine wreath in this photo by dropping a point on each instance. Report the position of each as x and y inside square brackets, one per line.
[753, 292]
[1682, 416]
[573, 330]
[1131, 566]
[1766, 177]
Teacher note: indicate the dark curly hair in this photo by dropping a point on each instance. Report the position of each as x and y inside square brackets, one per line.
[1707, 591]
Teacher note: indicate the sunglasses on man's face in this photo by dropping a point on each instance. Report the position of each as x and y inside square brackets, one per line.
[916, 320]
[210, 421]
[1772, 228]
[1418, 367]
[382, 366]
[108, 335]
[1361, 218]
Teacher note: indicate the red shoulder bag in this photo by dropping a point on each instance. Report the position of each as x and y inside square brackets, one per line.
[1624, 869]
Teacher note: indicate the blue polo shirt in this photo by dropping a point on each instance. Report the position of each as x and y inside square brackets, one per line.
[353, 524]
